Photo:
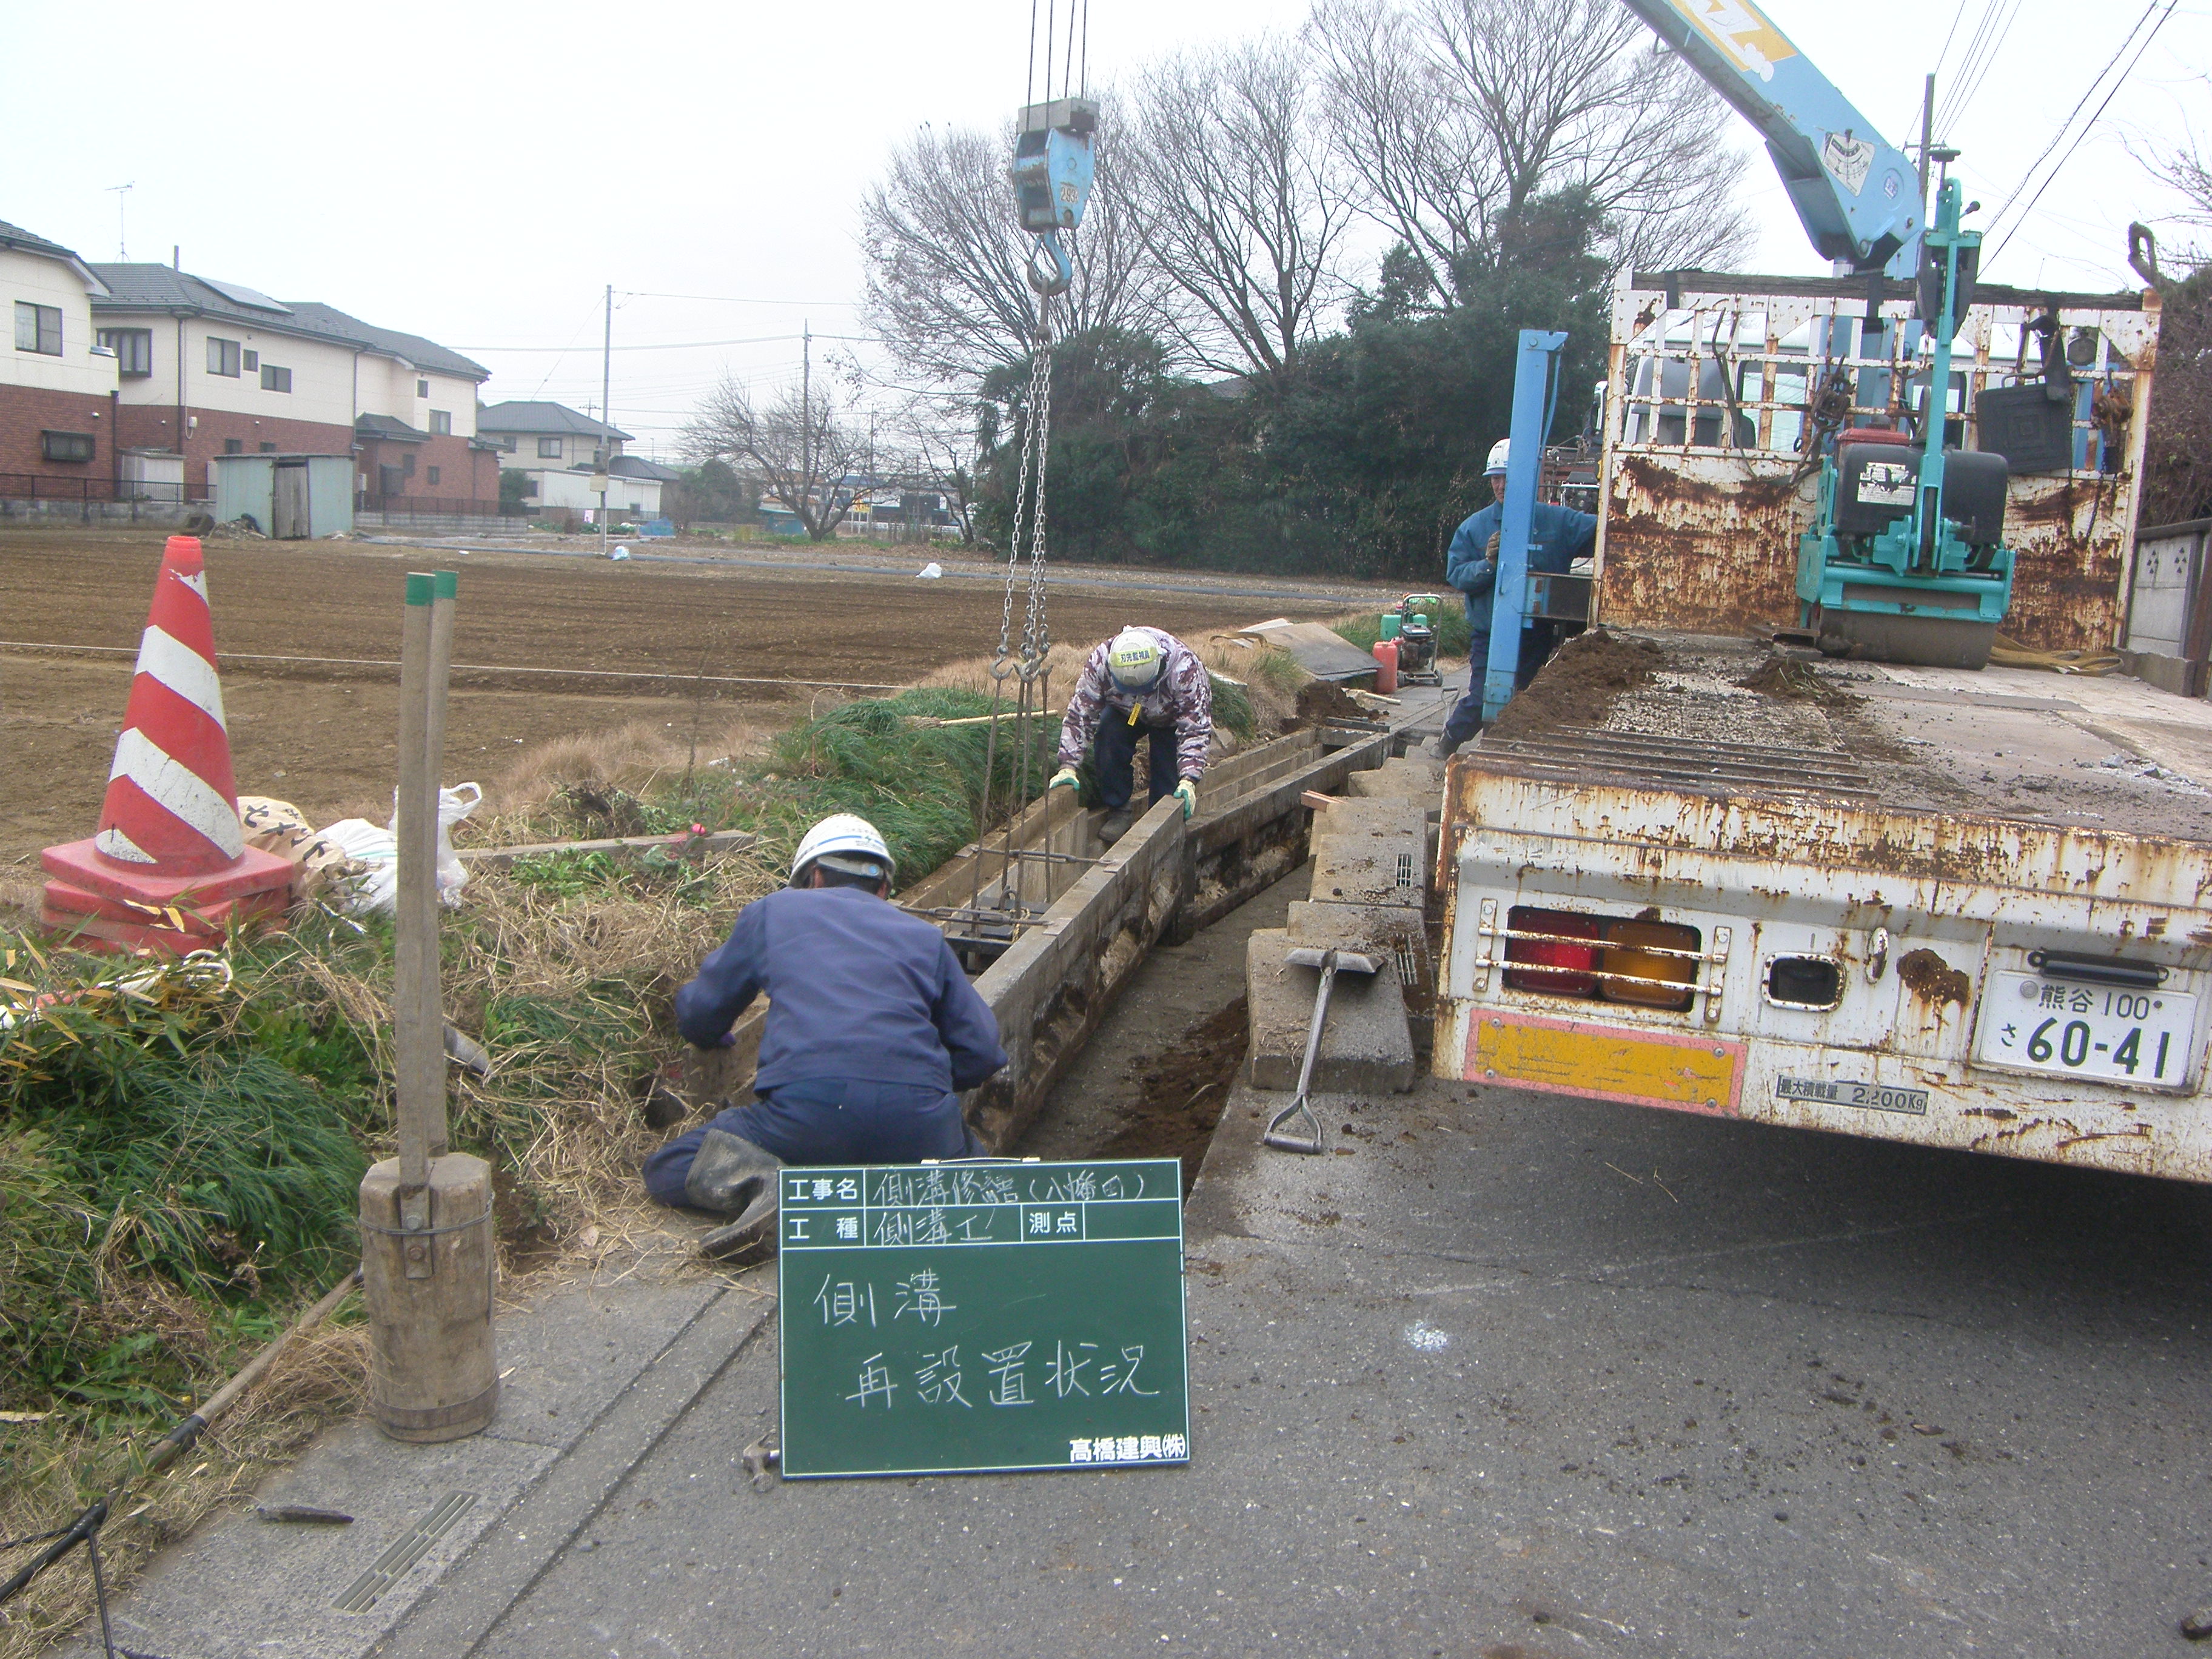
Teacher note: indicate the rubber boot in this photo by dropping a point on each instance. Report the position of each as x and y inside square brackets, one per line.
[1116, 824]
[736, 1178]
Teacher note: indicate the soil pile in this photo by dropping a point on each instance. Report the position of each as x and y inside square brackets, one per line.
[1581, 683]
[1320, 701]
[1793, 678]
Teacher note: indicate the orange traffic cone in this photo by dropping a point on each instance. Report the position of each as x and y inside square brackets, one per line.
[169, 868]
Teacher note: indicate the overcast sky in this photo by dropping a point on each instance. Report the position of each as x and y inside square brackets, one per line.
[478, 174]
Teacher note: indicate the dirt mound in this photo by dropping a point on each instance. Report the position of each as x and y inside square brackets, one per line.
[1783, 676]
[1320, 701]
[1184, 1092]
[1580, 684]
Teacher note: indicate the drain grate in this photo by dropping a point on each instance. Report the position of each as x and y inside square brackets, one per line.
[1409, 967]
[1406, 870]
[407, 1549]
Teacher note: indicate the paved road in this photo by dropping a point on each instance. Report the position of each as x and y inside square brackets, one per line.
[1526, 1376]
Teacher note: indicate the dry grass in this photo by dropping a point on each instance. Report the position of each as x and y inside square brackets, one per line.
[57, 1466]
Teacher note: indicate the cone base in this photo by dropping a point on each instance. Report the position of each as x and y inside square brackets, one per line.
[93, 922]
[84, 866]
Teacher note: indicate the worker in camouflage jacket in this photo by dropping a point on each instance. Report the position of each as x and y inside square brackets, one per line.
[1143, 682]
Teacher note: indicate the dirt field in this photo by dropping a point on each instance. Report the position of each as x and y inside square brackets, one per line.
[322, 734]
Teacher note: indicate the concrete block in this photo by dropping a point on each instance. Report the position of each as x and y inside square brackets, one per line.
[1414, 779]
[1353, 815]
[1391, 931]
[1376, 868]
[1366, 1046]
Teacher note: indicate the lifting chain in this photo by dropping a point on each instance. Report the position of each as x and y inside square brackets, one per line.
[1029, 525]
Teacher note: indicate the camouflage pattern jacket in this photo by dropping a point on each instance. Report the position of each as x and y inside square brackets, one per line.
[1182, 698]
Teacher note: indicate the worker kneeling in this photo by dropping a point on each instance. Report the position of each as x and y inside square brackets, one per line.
[1143, 682]
[873, 1031]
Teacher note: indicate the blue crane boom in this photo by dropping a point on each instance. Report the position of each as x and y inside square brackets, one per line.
[1857, 196]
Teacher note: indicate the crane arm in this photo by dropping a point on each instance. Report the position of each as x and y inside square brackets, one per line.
[1857, 196]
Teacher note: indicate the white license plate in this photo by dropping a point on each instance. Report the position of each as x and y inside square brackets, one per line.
[2098, 1031]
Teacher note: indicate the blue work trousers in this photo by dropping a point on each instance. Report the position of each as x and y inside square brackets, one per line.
[1113, 760]
[826, 1120]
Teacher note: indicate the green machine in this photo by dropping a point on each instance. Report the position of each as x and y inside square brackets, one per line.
[1906, 560]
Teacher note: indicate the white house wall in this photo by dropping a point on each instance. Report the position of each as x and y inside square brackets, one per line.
[36, 280]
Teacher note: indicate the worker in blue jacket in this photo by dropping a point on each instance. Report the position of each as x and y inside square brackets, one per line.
[872, 1032]
[1558, 535]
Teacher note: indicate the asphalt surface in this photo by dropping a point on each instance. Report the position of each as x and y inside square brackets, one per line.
[1522, 1376]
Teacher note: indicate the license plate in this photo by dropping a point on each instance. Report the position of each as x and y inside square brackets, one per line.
[2098, 1031]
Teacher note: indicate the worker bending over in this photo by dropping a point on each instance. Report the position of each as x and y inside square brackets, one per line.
[873, 1031]
[1558, 535]
[1143, 681]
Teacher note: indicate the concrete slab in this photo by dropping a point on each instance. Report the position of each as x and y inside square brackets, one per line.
[1366, 1045]
[1389, 930]
[1353, 815]
[1374, 867]
[571, 1364]
[1420, 779]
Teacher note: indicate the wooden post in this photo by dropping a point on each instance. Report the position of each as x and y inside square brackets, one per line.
[427, 1264]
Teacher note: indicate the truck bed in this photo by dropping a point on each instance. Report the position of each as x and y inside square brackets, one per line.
[2110, 754]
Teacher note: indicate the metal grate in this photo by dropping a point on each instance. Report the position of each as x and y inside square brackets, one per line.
[406, 1550]
[1582, 754]
[1406, 871]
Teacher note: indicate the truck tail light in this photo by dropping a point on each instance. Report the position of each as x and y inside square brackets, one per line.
[1556, 961]
[1640, 965]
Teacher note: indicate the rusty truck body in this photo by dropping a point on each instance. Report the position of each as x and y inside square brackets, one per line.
[1964, 909]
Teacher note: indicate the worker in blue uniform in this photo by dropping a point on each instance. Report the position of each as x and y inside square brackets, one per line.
[1558, 535]
[872, 1032]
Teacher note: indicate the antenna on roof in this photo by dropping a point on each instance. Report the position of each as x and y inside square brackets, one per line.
[122, 194]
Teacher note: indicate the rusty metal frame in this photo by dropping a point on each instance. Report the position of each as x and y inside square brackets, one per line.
[1702, 536]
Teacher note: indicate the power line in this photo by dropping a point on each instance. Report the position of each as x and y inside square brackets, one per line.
[684, 346]
[730, 299]
[2088, 129]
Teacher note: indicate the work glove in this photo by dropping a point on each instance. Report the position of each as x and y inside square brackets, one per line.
[1187, 793]
[1491, 548]
[1065, 778]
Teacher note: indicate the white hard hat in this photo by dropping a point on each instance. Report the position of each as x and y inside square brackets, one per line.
[1496, 463]
[844, 842]
[1134, 658]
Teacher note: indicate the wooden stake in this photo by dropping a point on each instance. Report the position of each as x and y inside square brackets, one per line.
[420, 1053]
[430, 991]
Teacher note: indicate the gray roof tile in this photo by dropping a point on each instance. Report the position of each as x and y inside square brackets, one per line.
[527, 415]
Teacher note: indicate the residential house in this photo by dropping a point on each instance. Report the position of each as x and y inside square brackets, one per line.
[56, 386]
[562, 450]
[211, 367]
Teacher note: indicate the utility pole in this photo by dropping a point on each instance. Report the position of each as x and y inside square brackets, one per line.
[1926, 137]
[122, 194]
[806, 419]
[606, 433]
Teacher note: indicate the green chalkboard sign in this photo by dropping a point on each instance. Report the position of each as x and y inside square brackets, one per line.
[944, 1318]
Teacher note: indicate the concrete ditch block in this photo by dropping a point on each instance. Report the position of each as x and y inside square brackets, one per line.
[1416, 778]
[1373, 868]
[1366, 1047]
[1356, 815]
[1391, 931]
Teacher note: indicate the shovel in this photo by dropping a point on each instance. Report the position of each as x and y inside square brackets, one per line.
[1331, 961]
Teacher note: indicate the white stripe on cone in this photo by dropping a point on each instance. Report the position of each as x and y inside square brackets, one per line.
[178, 789]
[183, 671]
[117, 845]
[198, 582]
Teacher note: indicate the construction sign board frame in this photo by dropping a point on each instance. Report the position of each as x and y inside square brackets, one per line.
[967, 1318]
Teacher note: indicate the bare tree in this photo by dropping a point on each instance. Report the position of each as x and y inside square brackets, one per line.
[933, 449]
[1452, 112]
[1231, 174]
[802, 443]
[946, 256]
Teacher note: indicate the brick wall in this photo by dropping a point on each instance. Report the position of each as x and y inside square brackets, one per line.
[464, 474]
[154, 426]
[26, 411]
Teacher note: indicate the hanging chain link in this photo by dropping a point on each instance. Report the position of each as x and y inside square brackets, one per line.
[1029, 537]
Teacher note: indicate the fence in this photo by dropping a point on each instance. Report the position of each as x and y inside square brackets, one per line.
[39, 495]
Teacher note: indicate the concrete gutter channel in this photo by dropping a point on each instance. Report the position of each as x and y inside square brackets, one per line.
[1499, 1376]
[597, 1374]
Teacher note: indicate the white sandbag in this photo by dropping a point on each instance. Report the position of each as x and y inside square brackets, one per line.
[930, 572]
[453, 805]
[374, 889]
